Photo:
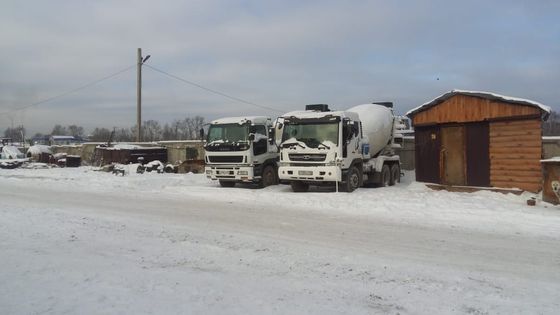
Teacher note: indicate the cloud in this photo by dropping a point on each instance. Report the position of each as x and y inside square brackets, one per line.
[280, 54]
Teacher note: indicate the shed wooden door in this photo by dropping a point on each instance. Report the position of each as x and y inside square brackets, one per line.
[453, 155]
[478, 156]
[426, 152]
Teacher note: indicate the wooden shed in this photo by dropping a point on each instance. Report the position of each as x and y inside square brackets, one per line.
[471, 138]
[125, 154]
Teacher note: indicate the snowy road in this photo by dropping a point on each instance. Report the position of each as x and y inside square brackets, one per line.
[75, 241]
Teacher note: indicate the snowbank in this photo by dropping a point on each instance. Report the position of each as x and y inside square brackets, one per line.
[11, 152]
[38, 149]
[409, 202]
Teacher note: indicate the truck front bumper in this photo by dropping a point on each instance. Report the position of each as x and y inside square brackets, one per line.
[231, 173]
[310, 173]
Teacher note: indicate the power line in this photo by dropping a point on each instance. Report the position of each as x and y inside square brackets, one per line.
[212, 90]
[52, 98]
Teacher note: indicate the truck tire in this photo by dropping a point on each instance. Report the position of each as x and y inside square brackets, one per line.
[385, 176]
[298, 186]
[353, 180]
[269, 176]
[395, 174]
[226, 183]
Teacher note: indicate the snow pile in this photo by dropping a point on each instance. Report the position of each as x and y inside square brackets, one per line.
[37, 165]
[125, 146]
[11, 152]
[37, 149]
[60, 156]
[155, 166]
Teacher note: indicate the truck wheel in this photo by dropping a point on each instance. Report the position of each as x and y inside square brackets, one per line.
[298, 186]
[385, 176]
[226, 183]
[269, 176]
[395, 174]
[353, 179]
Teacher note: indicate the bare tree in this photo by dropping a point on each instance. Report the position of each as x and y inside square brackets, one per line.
[59, 130]
[198, 124]
[169, 133]
[16, 133]
[192, 127]
[100, 135]
[180, 129]
[551, 127]
[76, 131]
[151, 130]
[123, 135]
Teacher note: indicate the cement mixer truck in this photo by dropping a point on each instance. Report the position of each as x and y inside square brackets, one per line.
[344, 148]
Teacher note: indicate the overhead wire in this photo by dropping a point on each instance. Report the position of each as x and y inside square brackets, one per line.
[52, 98]
[212, 90]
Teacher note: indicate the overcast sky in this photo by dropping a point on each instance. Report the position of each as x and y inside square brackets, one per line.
[278, 54]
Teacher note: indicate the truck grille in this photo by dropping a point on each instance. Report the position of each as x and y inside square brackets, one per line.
[225, 158]
[307, 157]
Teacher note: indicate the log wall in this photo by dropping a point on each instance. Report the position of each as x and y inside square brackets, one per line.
[515, 154]
[465, 108]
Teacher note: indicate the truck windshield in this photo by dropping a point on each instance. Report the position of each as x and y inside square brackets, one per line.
[312, 134]
[228, 133]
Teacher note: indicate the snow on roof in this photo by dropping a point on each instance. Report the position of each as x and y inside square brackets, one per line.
[38, 149]
[63, 138]
[179, 141]
[487, 95]
[309, 114]
[241, 120]
[552, 159]
[127, 146]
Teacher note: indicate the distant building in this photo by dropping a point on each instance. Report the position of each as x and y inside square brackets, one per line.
[65, 140]
[43, 140]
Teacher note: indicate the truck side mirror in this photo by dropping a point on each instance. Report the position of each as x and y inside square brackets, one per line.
[201, 131]
[251, 137]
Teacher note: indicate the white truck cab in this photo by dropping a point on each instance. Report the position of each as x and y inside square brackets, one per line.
[241, 150]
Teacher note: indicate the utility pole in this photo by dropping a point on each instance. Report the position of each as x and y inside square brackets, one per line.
[139, 97]
[140, 61]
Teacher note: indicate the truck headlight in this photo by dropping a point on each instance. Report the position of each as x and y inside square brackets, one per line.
[242, 173]
[209, 172]
[331, 163]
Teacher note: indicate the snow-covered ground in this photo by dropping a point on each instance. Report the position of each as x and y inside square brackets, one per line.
[87, 242]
